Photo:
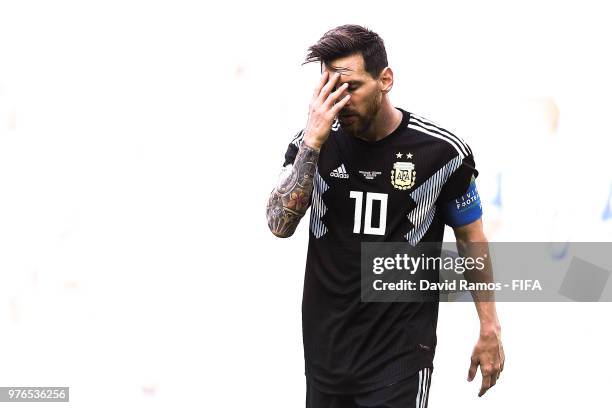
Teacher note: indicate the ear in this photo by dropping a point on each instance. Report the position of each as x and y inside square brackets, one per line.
[386, 80]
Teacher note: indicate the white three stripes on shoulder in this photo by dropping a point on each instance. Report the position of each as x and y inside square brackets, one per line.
[297, 139]
[428, 127]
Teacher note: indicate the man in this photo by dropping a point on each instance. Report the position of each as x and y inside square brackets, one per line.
[373, 172]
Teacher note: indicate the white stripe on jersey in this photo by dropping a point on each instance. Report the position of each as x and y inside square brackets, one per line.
[425, 196]
[442, 130]
[445, 131]
[422, 397]
[430, 133]
[432, 129]
[336, 125]
[427, 383]
[297, 140]
[318, 208]
[418, 396]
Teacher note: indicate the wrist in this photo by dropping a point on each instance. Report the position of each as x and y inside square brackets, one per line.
[490, 328]
[312, 143]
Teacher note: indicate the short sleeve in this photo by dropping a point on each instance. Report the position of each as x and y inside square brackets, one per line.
[293, 147]
[459, 182]
[459, 200]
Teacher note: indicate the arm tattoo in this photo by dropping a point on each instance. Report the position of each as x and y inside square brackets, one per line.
[289, 201]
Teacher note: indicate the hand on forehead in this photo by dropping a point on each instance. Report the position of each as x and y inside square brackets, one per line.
[350, 66]
[343, 71]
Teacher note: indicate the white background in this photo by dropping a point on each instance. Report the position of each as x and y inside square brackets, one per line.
[136, 265]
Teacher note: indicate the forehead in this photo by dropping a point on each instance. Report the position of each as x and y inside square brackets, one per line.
[352, 66]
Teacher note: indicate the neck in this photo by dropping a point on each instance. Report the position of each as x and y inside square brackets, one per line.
[384, 123]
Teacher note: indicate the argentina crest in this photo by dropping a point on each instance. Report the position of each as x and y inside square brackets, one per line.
[403, 174]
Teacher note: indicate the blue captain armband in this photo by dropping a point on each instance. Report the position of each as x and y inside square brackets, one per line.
[464, 209]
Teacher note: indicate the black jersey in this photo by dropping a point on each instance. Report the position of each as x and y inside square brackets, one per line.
[393, 189]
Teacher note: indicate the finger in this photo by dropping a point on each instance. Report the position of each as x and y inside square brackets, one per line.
[337, 107]
[322, 81]
[486, 384]
[334, 95]
[494, 378]
[328, 87]
[472, 370]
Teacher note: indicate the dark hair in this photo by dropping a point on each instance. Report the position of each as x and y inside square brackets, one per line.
[347, 40]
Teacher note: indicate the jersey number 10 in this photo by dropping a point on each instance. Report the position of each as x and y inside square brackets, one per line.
[370, 198]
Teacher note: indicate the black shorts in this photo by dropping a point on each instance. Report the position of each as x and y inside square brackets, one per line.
[411, 392]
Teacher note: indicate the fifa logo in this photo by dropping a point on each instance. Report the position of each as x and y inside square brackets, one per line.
[403, 175]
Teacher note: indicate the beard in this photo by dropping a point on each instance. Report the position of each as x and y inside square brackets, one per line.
[363, 121]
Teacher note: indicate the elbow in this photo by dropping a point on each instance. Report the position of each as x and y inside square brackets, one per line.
[278, 226]
[278, 234]
[282, 222]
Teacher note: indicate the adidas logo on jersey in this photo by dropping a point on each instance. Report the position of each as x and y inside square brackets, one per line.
[340, 172]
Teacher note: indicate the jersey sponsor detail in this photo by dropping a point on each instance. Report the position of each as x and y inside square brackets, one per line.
[369, 175]
[318, 209]
[428, 127]
[340, 172]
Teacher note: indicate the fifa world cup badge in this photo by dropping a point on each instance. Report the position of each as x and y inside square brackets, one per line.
[403, 175]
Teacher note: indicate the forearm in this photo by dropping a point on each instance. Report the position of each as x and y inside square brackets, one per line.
[484, 300]
[289, 200]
